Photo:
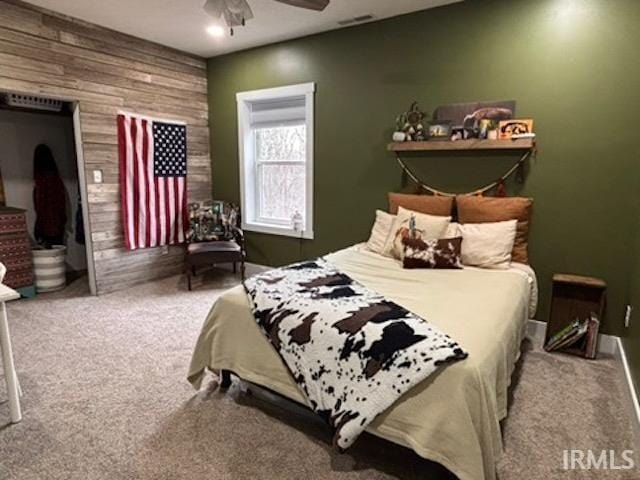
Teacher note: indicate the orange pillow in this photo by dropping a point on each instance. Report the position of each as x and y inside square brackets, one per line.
[497, 209]
[429, 204]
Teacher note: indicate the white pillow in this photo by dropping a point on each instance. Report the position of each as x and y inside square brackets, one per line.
[428, 227]
[452, 231]
[380, 231]
[488, 245]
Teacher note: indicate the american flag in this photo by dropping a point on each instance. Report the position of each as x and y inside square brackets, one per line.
[153, 171]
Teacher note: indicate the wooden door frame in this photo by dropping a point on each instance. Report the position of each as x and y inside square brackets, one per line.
[84, 198]
[82, 182]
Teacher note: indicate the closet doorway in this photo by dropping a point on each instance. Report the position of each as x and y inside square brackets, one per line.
[42, 174]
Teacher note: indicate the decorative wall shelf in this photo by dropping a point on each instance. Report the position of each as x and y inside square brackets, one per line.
[471, 144]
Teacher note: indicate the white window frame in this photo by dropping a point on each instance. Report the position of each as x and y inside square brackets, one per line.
[248, 164]
[284, 223]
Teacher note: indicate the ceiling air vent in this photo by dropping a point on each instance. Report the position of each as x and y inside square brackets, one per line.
[351, 21]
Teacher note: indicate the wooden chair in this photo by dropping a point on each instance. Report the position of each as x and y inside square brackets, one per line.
[205, 250]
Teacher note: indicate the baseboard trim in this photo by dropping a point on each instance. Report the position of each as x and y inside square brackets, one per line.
[535, 332]
[255, 268]
[622, 356]
[607, 344]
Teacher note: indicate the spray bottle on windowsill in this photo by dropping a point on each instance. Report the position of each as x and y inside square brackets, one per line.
[296, 222]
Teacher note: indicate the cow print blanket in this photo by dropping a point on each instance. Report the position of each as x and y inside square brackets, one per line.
[351, 351]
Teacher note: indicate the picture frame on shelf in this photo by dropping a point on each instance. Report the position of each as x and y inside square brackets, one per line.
[508, 128]
[457, 133]
[440, 131]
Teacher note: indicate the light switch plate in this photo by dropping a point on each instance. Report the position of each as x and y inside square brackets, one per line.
[97, 176]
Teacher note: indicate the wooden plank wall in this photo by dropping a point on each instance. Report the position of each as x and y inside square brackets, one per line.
[52, 55]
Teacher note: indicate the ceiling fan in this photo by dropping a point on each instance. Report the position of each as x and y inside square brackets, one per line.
[237, 12]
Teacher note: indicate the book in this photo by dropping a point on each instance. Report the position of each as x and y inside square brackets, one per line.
[561, 334]
[568, 336]
[591, 348]
[575, 336]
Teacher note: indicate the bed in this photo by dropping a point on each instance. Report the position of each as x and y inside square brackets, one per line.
[453, 416]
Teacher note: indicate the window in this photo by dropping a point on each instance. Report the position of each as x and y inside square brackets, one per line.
[275, 128]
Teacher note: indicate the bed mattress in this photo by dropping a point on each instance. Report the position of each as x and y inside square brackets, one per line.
[453, 416]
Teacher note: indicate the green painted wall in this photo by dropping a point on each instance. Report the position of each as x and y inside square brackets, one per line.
[572, 65]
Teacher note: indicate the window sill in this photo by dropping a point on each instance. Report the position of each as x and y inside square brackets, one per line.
[276, 230]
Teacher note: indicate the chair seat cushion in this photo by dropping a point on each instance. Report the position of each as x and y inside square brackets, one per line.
[218, 246]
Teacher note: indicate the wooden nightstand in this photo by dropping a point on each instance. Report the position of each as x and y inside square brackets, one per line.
[574, 296]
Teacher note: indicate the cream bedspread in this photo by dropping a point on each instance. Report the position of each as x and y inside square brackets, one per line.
[453, 416]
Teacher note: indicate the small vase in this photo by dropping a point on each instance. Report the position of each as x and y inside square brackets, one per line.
[399, 136]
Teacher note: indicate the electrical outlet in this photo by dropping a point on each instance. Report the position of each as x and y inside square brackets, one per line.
[165, 249]
[97, 176]
[627, 316]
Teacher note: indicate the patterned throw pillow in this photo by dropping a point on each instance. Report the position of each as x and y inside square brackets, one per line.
[443, 253]
[415, 225]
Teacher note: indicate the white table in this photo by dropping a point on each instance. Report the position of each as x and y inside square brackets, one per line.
[13, 387]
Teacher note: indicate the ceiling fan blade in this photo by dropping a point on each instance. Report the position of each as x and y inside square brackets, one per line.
[215, 8]
[318, 5]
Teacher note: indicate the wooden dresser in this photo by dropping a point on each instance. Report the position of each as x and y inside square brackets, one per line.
[15, 248]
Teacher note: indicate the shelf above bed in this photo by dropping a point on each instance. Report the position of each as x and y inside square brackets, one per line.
[472, 144]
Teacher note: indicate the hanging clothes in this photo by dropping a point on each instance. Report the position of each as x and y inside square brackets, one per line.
[49, 198]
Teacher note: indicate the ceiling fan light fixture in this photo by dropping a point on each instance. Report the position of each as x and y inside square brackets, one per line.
[216, 31]
[234, 12]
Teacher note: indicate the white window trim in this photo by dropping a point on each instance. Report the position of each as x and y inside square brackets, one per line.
[244, 100]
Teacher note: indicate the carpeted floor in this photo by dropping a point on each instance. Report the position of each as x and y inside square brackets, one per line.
[106, 398]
